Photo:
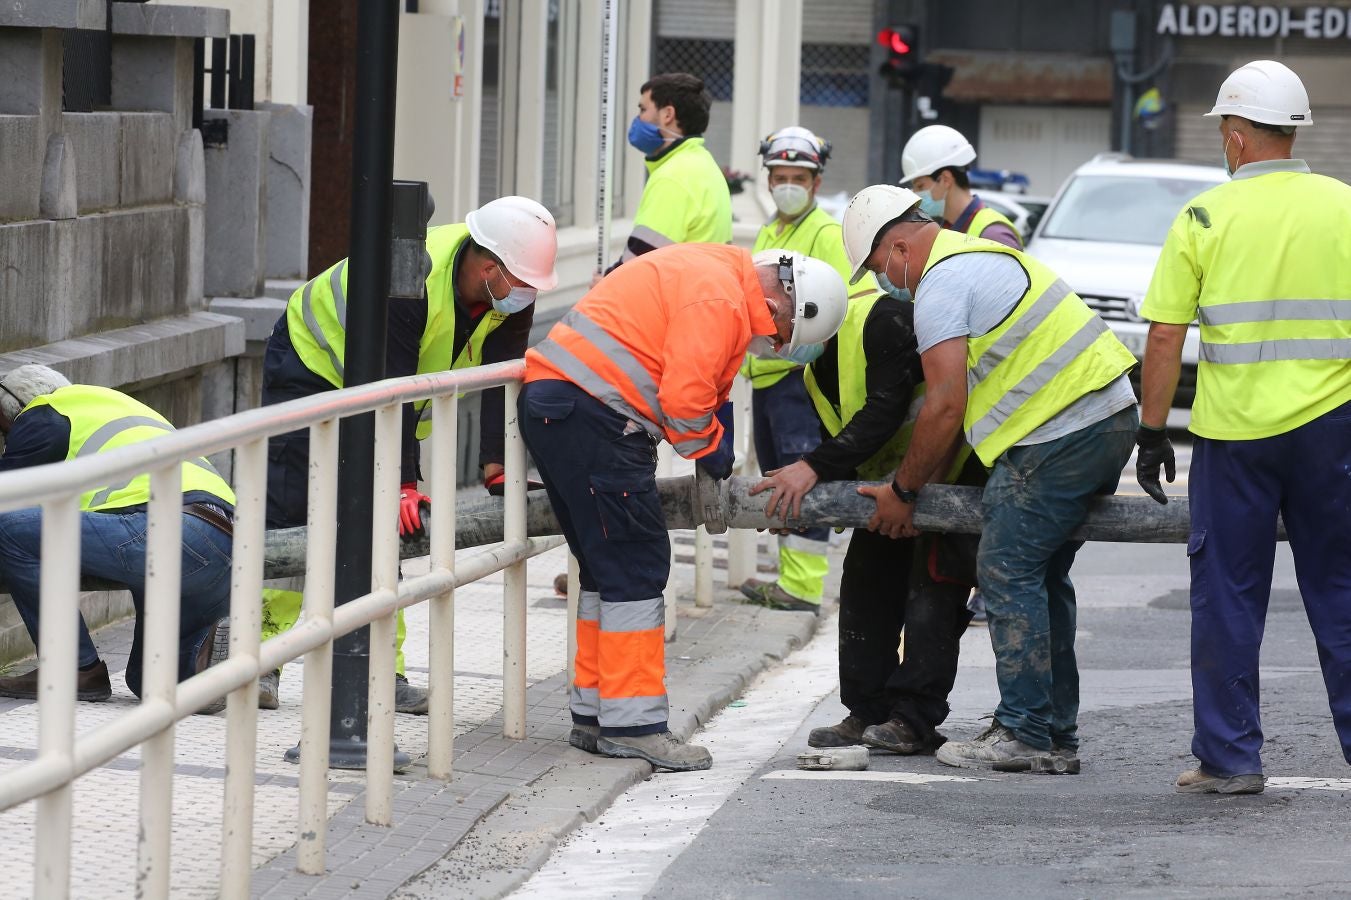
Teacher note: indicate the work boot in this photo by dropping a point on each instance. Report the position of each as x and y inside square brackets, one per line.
[92, 686]
[1060, 761]
[583, 737]
[768, 593]
[268, 686]
[215, 649]
[846, 734]
[898, 737]
[409, 698]
[1199, 781]
[663, 751]
[995, 744]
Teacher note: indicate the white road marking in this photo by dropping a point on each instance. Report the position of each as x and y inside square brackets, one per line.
[867, 775]
[1281, 783]
[623, 853]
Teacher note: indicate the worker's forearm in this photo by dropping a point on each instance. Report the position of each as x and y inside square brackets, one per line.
[1162, 367]
[936, 430]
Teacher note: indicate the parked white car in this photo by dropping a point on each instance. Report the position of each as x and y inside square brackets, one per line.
[1103, 233]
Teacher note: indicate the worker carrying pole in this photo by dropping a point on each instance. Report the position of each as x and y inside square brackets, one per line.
[650, 354]
[1264, 263]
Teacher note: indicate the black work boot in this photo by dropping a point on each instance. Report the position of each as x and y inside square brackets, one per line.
[846, 734]
[583, 737]
[898, 737]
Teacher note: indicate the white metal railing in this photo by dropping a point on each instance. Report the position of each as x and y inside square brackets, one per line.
[62, 758]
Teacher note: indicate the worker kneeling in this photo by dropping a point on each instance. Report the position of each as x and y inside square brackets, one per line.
[650, 354]
[46, 419]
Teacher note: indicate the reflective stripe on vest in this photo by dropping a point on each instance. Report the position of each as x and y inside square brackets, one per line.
[985, 217]
[1051, 350]
[1272, 312]
[102, 419]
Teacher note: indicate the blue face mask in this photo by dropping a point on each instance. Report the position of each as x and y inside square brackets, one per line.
[645, 136]
[802, 355]
[892, 291]
[517, 299]
[929, 206]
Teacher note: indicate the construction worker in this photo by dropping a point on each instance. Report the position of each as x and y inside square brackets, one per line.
[1262, 263]
[786, 426]
[46, 419]
[934, 163]
[868, 381]
[484, 274]
[650, 354]
[685, 199]
[1038, 382]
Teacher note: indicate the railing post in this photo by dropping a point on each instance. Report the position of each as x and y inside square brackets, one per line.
[703, 567]
[241, 710]
[513, 590]
[665, 459]
[381, 752]
[159, 679]
[58, 664]
[320, 555]
[441, 641]
[743, 544]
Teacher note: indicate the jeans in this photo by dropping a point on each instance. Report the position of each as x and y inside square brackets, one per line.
[1036, 497]
[113, 546]
[1236, 489]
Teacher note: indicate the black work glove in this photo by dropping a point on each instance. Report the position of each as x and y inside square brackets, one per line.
[1155, 451]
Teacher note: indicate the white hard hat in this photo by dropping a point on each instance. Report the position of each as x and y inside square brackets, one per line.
[932, 148]
[521, 233]
[868, 211]
[1264, 91]
[25, 384]
[819, 296]
[795, 146]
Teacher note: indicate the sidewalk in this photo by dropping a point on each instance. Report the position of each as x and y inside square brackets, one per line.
[716, 653]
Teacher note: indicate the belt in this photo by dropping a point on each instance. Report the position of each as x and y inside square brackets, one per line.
[211, 515]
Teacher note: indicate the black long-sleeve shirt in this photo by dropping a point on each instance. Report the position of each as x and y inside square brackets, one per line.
[893, 372]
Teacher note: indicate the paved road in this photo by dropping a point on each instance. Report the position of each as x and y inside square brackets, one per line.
[752, 827]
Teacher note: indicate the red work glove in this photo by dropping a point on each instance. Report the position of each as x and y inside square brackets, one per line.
[411, 501]
[497, 484]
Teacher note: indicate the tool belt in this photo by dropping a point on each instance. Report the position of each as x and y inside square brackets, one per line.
[212, 515]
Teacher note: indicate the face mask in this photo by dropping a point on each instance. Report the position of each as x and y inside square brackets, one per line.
[1228, 170]
[645, 136]
[791, 199]
[892, 291]
[802, 355]
[517, 299]
[886, 284]
[931, 206]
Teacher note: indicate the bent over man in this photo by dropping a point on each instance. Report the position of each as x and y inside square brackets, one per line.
[46, 419]
[649, 354]
[478, 309]
[1264, 262]
[1038, 382]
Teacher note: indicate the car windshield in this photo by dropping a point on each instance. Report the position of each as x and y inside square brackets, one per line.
[1128, 210]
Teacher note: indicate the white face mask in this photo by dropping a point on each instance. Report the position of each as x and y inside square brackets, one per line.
[790, 199]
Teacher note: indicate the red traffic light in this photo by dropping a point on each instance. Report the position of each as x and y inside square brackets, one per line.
[899, 41]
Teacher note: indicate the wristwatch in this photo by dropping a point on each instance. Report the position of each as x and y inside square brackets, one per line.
[904, 495]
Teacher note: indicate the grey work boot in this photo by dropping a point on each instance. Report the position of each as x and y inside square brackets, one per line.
[215, 649]
[268, 686]
[898, 737]
[663, 751]
[1199, 781]
[768, 593]
[583, 737]
[995, 744]
[846, 734]
[409, 698]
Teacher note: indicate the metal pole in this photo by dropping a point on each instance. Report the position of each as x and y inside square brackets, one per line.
[58, 662]
[367, 290]
[513, 588]
[605, 160]
[743, 550]
[381, 753]
[159, 679]
[441, 649]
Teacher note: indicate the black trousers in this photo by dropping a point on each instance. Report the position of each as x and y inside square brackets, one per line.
[886, 586]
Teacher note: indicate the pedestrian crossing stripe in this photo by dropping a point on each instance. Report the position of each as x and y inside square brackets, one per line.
[1314, 784]
[898, 777]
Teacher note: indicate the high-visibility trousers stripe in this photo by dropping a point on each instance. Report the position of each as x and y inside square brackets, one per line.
[585, 692]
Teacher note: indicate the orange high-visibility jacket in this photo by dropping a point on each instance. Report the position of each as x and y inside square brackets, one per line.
[660, 339]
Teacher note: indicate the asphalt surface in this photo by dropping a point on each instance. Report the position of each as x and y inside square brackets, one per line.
[1117, 830]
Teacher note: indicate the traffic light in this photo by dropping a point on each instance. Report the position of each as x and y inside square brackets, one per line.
[902, 46]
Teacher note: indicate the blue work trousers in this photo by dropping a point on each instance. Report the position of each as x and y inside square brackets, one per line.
[1036, 497]
[1236, 490]
[112, 546]
[786, 429]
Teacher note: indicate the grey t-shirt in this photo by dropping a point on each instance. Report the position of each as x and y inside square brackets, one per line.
[969, 294]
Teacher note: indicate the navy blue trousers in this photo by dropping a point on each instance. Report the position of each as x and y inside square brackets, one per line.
[1236, 490]
[786, 429]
